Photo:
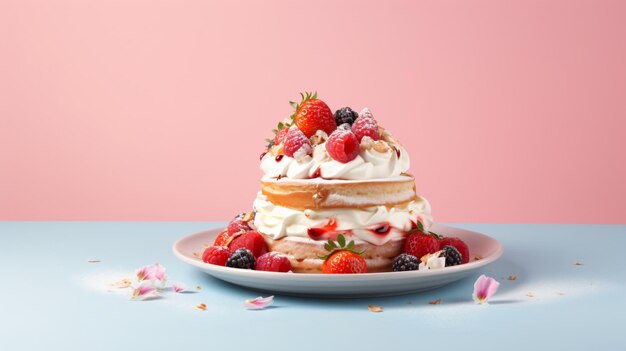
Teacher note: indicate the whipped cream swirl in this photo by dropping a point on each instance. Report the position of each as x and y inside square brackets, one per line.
[369, 164]
[281, 222]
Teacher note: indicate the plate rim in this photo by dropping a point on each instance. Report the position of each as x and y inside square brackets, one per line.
[248, 273]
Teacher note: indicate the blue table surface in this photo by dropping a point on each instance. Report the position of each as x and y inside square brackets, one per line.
[52, 298]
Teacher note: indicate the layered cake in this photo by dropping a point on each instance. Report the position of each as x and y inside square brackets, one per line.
[336, 197]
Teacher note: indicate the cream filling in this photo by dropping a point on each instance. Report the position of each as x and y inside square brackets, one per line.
[280, 222]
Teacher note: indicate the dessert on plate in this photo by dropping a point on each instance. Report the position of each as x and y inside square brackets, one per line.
[336, 197]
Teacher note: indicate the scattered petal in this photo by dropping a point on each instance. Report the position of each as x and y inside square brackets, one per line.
[122, 284]
[484, 288]
[478, 257]
[435, 302]
[154, 273]
[578, 264]
[530, 294]
[259, 303]
[375, 308]
[512, 277]
[201, 307]
[93, 261]
[144, 291]
[144, 273]
[178, 287]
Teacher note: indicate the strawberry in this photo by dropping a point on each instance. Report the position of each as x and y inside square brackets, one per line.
[457, 244]
[252, 241]
[222, 238]
[365, 125]
[296, 143]
[419, 244]
[216, 255]
[312, 114]
[342, 258]
[342, 145]
[240, 224]
[273, 262]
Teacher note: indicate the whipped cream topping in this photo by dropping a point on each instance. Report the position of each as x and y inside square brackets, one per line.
[369, 164]
[362, 223]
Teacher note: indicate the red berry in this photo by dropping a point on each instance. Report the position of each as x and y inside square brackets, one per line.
[342, 145]
[216, 255]
[459, 245]
[313, 114]
[273, 262]
[280, 136]
[344, 262]
[238, 225]
[420, 244]
[222, 238]
[296, 142]
[252, 241]
[365, 125]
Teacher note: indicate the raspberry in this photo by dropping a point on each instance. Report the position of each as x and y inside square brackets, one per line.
[365, 125]
[452, 255]
[252, 241]
[419, 244]
[405, 262]
[241, 258]
[280, 136]
[273, 262]
[238, 225]
[296, 142]
[342, 145]
[457, 244]
[345, 115]
[216, 255]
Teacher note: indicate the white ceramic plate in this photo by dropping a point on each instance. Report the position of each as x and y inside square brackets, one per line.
[343, 285]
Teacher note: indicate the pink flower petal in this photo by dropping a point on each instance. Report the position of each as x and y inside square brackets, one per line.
[178, 287]
[144, 291]
[259, 303]
[484, 288]
[144, 273]
[154, 273]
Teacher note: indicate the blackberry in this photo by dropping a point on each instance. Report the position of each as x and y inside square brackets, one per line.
[405, 262]
[345, 115]
[241, 258]
[452, 255]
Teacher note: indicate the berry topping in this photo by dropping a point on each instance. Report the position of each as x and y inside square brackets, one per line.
[342, 145]
[312, 115]
[458, 244]
[405, 262]
[342, 258]
[345, 115]
[238, 225]
[296, 143]
[252, 241]
[280, 136]
[241, 258]
[365, 125]
[273, 262]
[419, 244]
[452, 255]
[216, 255]
[222, 238]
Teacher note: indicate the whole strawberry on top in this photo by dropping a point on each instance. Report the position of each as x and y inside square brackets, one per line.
[312, 114]
[342, 258]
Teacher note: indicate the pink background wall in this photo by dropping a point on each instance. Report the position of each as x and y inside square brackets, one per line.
[512, 111]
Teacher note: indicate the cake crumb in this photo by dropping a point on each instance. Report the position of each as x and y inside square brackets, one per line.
[198, 287]
[561, 293]
[435, 302]
[578, 264]
[478, 257]
[201, 307]
[93, 261]
[512, 277]
[530, 294]
[375, 308]
[122, 284]
[195, 254]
